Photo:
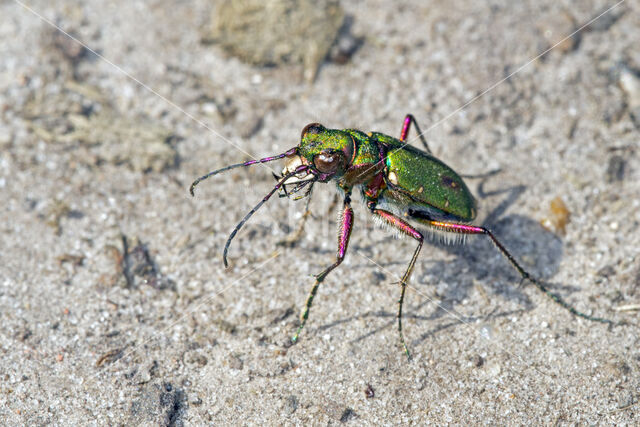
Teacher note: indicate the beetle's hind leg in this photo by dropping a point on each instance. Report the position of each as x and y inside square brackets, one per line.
[407, 229]
[343, 241]
[406, 125]
[471, 229]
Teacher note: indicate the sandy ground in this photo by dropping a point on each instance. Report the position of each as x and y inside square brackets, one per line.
[114, 303]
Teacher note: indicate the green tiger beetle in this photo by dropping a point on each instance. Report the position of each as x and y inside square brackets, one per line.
[400, 185]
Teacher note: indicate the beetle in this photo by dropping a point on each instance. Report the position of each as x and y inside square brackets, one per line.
[401, 185]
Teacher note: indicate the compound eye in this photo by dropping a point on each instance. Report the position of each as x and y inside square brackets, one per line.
[328, 162]
[312, 129]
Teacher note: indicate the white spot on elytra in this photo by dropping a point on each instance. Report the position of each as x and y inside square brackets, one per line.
[393, 178]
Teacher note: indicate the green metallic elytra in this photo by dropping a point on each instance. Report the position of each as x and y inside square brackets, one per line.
[412, 177]
[426, 180]
[400, 184]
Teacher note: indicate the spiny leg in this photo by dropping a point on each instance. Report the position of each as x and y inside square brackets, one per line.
[407, 229]
[343, 241]
[406, 125]
[470, 229]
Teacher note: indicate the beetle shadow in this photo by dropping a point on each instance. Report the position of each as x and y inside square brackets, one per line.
[392, 321]
[538, 250]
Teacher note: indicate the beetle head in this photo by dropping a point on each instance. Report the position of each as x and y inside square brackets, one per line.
[328, 152]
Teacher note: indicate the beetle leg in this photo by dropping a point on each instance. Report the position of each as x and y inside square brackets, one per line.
[470, 229]
[406, 125]
[407, 229]
[343, 241]
[294, 237]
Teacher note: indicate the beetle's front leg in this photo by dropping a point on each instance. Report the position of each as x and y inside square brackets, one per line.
[407, 229]
[346, 224]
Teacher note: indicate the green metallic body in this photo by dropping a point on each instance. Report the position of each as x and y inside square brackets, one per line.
[412, 178]
[399, 183]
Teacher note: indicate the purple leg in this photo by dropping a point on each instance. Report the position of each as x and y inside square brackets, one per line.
[406, 125]
[407, 229]
[343, 241]
[470, 229]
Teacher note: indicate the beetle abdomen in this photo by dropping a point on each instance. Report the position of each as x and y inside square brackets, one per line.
[427, 180]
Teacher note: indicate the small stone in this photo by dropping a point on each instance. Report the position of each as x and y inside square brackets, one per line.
[616, 168]
[235, 362]
[158, 404]
[195, 358]
[274, 32]
[369, 392]
[494, 370]
[347, 414]
[477, 361]
[555, 27]
[629, 81]
[625, 400]
[290, 405]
